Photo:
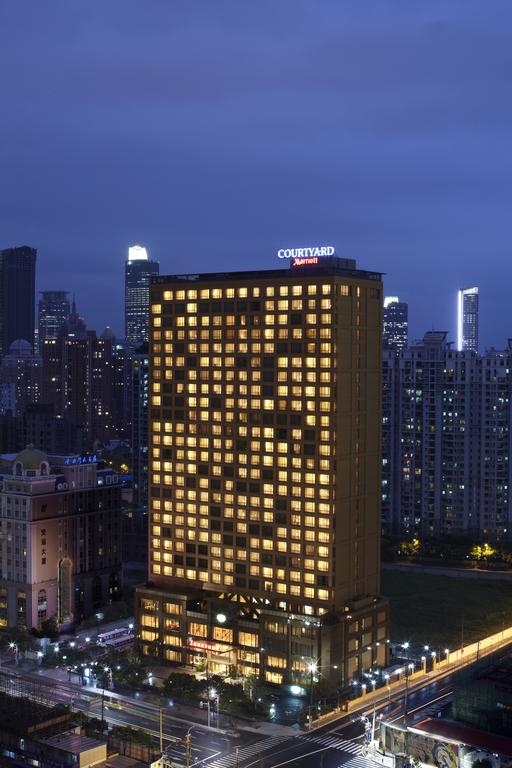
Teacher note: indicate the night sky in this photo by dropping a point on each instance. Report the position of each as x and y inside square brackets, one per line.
[217, 132]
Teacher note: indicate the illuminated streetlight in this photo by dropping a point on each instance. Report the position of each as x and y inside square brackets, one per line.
[312, 667]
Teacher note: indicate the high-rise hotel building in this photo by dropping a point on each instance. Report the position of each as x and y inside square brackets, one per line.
[264, 472]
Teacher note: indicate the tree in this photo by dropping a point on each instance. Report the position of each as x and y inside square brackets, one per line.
[50, 627]
[20, 636]
[183, 687]
[410, 548]
[482, 552]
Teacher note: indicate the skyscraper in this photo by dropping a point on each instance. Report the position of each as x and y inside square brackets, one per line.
[17, 296]
[264, 476]
[54, 310]
[79, 380]
[447, 463]
[395, 328]
[467, 319]
[20, 378]
[429, 456]
[138, 271]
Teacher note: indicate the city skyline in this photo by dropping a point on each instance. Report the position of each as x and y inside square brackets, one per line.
[383, 133]
[116, 319]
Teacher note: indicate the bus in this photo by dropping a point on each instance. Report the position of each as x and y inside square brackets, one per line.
[121, 642]
[113, 634]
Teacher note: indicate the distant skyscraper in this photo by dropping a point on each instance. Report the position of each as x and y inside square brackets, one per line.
[78, 380]
[54, 310]
[467, 319]
[447, 456]
[138, 271]
[20, 378]
[395, 323]
[17, 296]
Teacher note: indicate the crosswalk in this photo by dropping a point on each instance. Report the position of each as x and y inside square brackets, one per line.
[334, 742]
[357, 762]
[228, 761]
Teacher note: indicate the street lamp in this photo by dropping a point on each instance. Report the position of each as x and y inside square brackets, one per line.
[15, 648]
[312, 670]
[215, 696]
[386, 678]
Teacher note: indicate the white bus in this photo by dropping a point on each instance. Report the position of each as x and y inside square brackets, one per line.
[106, 637]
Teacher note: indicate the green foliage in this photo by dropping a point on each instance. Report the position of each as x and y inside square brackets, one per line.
[183, 687]
[482, 552]
[234, 697]
[50, 628]
[19, 635]
[134, 735]
[410, 548]
[450, 549]
[132, 671]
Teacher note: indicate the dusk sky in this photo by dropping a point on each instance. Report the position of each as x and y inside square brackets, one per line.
[216, 132]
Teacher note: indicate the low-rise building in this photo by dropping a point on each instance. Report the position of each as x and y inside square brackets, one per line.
[60, 538]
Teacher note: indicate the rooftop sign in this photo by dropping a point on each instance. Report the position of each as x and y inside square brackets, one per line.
[306, 253]
[81, 460]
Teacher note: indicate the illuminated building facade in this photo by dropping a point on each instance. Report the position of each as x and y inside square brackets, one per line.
[137, 277]
[54, 311]
[139, 424]
[20, 378]
[60, 542]
[83, 379]
[264, 473]
[467, 319]
[395, 325]
[446, 449]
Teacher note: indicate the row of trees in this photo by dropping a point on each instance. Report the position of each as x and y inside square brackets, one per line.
[233, 698]
[454, 549]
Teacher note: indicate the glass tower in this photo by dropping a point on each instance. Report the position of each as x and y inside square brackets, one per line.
[54, 310]
[395, 323]
[138, 272]
[467, 319]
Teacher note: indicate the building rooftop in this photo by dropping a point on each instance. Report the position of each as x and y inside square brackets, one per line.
[324, 266]
[21, 716]
[72, 742]
[459, 733]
